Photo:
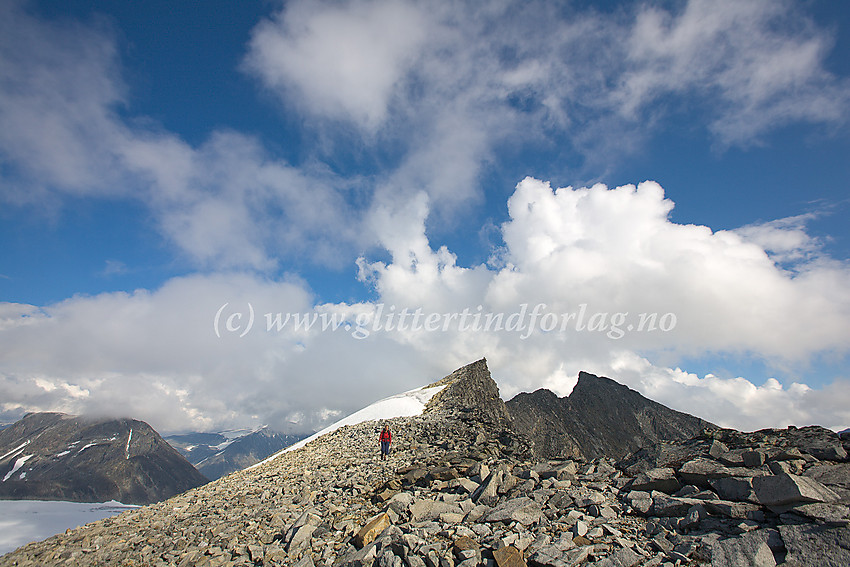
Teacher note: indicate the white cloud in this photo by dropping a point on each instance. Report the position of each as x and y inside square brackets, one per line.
[155, 355]
[616, 251]
[761, 60]
[58, 90]
[784, 239]
[438, 90]
[345, 60]
[158, 355]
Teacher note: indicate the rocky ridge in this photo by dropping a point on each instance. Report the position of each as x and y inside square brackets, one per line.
[459, 492]
[600, 418]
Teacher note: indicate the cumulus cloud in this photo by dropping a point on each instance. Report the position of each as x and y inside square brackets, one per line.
[592, 253]
[233, 349]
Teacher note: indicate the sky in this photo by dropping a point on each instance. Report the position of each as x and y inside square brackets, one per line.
[219, 215]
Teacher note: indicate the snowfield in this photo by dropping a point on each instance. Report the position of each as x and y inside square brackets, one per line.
[406, 404]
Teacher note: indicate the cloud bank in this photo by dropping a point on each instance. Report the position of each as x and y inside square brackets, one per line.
[433, 94]
[598, 250]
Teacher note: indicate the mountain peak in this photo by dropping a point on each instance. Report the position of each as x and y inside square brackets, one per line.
[470, 391]
[600, 417]
[56, 456]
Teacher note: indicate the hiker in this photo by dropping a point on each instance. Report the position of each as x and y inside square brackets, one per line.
[385, 438]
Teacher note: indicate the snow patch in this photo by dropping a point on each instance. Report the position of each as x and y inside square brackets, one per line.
[86, 447]
[18, 464]
[62, 454]
[127, 448]
[16, 449]
[406, 404]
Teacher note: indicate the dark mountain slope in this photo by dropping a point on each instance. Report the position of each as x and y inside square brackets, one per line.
[600, 418]
[54, 456]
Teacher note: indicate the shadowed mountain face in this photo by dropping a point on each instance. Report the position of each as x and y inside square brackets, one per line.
[53, 456]
[600, 418]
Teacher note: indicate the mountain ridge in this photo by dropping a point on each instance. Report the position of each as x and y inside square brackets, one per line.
[599, 418]
[215, 454]
[56, 456]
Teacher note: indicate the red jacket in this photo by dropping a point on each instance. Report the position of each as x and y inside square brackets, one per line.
[386, 436]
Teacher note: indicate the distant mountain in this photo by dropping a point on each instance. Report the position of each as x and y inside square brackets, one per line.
[54, 456]
[600, 418]
[218, 454]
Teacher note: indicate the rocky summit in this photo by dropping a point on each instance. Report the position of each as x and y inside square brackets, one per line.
[600, 418]
[457, 491]
[55, 456]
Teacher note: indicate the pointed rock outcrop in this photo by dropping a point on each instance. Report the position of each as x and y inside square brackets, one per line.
[471, 393]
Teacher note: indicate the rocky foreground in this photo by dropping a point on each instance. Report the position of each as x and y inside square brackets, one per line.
[463, 489]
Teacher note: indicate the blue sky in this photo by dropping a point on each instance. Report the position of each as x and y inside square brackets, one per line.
[159, 160]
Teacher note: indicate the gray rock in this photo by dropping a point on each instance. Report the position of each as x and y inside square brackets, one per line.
[487, 494]
[662, 479]
[738, 510]
[734, 488]
[695, 515]
[623, 557]
[778, 490]
[838, 514]
[742, 552]
[717, 449]
[431, 509]
[823, 546]
[753, 458]
[640, 501]
[579, 529]
[602, 511]
[664, 505]
[700, 471]
[523, 510]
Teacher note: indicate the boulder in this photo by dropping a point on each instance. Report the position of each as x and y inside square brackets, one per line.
[753, 458]
[742, 552]
[695, 515]
[734, 488]
[664, 505]
[371, 530]
[700, 471]
[509, 556]
[523, 510]
[778, 490]
[487, 493]
[717, 449]
[662, 479]
[824, 546]
[623, 557]
[425, 509]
